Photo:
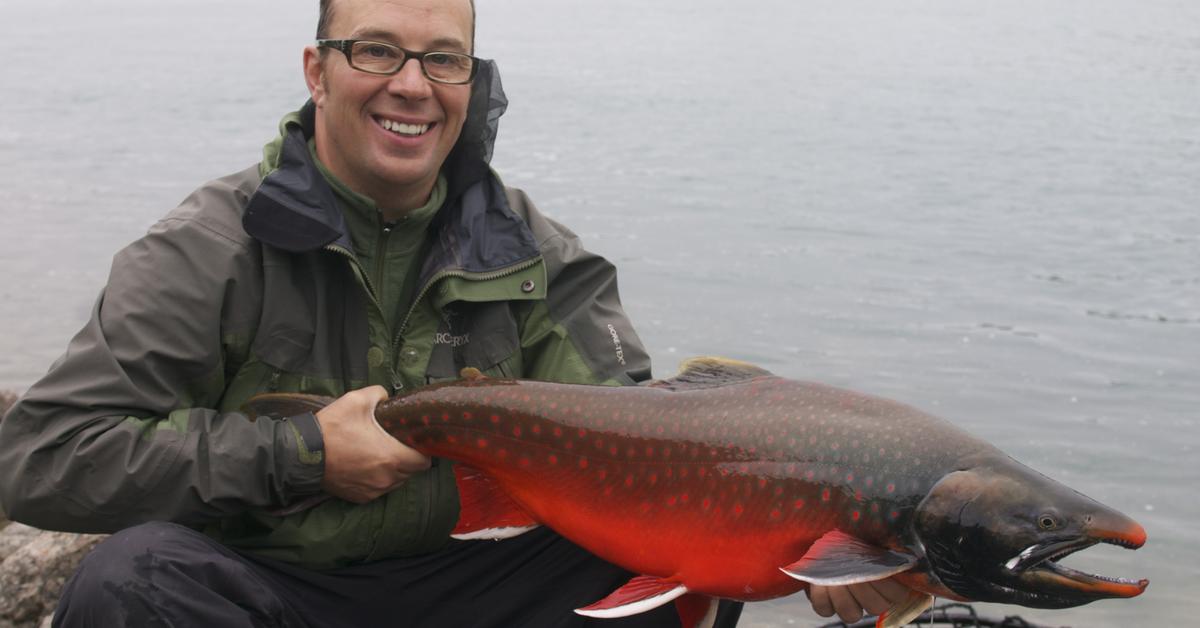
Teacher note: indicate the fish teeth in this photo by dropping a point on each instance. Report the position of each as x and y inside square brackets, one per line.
[1016, 560]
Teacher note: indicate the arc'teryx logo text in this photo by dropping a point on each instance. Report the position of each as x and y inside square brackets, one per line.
[443, 338]
[612, 331]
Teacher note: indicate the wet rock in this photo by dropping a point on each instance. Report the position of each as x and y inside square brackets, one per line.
[32, 577]
[14, 537]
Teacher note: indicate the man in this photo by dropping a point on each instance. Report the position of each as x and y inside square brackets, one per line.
[370, 252]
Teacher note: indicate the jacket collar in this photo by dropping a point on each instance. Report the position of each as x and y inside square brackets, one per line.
[294, 208]
[476, 231]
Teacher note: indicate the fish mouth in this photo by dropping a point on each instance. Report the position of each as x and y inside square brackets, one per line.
[1038, 566]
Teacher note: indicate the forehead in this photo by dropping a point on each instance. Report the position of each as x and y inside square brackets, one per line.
[407, 22]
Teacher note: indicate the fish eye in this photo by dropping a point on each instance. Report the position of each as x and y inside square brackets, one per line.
[1047, 522]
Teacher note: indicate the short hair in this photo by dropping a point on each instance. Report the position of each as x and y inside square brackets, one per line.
[327, 16]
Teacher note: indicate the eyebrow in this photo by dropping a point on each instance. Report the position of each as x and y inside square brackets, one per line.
[441, 43]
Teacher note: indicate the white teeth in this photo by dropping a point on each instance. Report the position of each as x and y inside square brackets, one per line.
[403, 129]
[1016, 560]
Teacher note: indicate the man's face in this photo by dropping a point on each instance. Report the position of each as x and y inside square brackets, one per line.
[396, 169]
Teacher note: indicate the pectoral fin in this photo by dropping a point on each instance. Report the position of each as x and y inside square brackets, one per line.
[904, 612]
[840, 559]
[639, 595]
[486, 511]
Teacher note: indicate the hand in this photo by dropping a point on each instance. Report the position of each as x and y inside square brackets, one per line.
[850, 601]
[362, 461]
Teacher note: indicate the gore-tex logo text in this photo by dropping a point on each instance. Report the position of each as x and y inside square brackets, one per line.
[612, 331]
[451, 339]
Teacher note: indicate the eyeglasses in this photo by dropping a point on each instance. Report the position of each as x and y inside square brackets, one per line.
[374, 57]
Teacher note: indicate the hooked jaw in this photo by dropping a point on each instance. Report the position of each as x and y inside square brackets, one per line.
[997, 534]
[1038, 567]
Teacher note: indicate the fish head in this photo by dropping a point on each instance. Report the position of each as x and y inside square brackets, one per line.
[996, 533]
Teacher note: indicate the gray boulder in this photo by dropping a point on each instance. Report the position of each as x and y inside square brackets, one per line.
[32, 577]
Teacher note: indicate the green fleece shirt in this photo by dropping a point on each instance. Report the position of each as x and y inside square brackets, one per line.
[389, 253]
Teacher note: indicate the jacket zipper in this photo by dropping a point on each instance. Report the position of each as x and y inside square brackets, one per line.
[373, 293]
[385, 234]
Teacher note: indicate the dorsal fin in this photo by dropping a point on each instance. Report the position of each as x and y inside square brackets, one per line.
[710, 372]
[471, 373]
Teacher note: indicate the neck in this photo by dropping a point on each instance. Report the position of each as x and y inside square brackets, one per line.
[397, 205]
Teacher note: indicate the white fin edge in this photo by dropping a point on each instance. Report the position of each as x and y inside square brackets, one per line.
[493, 534]
[639, 606]
[848, 578]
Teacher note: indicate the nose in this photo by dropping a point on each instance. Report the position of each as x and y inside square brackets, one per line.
[410, 81]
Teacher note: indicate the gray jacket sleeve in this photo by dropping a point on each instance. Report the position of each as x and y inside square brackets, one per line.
[121, 430]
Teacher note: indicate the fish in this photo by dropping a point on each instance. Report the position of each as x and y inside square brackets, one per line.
[729, 482]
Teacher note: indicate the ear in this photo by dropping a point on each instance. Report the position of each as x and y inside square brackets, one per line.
[314, 74]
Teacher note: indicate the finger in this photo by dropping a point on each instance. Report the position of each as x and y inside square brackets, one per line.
[819, 596]
[891, 590]
[868, 598]
[405, 458]
[847, 608]
[409, 460]
[376, 394]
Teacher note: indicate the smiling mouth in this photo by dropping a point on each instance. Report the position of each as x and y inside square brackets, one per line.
[1040, 562]
[403, 129]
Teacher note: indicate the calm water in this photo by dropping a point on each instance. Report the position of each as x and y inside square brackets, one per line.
[983, 208]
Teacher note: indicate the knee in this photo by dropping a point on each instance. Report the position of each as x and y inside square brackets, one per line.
[135, 553]
[120, 574]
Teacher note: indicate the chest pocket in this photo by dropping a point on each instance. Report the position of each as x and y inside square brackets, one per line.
[480, 335]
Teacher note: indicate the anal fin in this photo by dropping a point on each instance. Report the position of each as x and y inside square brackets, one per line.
[486, 510]
[639, 595]
[838, 559]
[906, 611]
[696, 611]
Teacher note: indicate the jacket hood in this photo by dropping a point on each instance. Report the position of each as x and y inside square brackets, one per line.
[295, 209]
[475, 230]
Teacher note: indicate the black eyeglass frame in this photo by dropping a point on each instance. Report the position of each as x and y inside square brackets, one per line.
[346, 45]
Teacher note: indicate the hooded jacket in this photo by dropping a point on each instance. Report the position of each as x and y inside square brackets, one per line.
[252, 285]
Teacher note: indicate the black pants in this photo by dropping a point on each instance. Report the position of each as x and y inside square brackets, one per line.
[162, 574]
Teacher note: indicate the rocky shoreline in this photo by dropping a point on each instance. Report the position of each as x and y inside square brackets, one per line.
[34, 565]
